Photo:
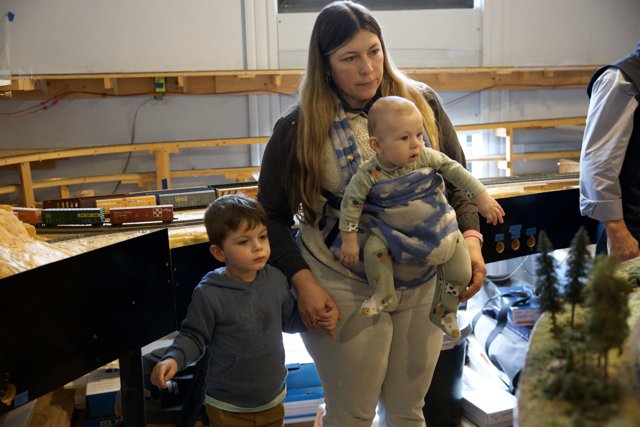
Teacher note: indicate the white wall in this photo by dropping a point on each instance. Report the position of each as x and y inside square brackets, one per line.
[91, 36]
[415, 39]
[558, 32]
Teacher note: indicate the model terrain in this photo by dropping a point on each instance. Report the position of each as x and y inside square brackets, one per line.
[583, 363]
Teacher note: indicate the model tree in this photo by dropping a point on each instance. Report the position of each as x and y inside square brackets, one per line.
[607, 326]
[577, 271]
[546, 280]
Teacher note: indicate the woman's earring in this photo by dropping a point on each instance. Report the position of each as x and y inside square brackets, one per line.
[328, 77]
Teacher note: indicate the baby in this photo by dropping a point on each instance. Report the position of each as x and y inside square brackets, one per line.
[396, 134]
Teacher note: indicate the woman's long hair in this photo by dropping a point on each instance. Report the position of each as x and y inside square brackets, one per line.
[336, 24]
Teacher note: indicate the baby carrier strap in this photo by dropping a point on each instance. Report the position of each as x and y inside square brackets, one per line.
[334, 201]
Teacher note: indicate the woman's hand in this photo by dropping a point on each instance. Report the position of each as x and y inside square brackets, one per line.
[478, 268]
[317, 308]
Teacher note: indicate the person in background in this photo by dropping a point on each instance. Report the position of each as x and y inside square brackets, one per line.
[386, 361]
[401, 192]
[239, 311]
[610, 157]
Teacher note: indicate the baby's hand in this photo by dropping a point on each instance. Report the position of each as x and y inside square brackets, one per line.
[489, 208]
[350, 250]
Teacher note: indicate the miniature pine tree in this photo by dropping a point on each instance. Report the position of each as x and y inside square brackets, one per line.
[546, 280]
[607, 324]
[577, 271]
[608, 299]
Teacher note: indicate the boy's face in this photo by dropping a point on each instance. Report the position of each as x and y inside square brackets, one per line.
[399, 140]
[244, 251]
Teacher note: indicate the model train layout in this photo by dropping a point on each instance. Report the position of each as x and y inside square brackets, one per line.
[115, 210]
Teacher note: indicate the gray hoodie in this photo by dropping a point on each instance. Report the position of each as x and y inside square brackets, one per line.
[242, 323]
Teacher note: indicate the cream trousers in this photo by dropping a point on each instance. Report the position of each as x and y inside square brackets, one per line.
[386, 360]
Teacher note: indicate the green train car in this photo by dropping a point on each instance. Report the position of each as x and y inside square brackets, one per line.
[73, 216]
[186, 200]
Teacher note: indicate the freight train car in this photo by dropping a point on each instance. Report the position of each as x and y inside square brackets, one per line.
[162, 213]
[31, 216]
[77, 202]
[125, 202]
[187, 200]
[73, 216]
[249, 189]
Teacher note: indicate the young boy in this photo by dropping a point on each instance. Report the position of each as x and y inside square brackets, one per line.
[240, 311]
[397, 136]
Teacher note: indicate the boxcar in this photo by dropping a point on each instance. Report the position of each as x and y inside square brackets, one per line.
[162, 213]
[249, 189]
[78, 202]
[187, 200]
[31, 216]
[125, 202]
[76, 216]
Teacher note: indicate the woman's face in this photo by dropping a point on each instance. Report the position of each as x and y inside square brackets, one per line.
[356, 68]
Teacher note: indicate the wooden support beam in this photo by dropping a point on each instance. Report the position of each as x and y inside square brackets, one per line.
[163, 169]
[54, 409]
[26, 186]
[170, 146]
[525, 124]
[64, 192]
[43, 86]
[508, 152]
[288, 81]
[26, 84]
[546, 155]
[182, 84]
[111, 85]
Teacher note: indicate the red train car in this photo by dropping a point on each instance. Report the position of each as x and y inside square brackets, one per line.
[162, 213]
[31, 216]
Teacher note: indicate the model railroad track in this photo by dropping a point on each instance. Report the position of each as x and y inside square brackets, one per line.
[533, 179]
[71, 232]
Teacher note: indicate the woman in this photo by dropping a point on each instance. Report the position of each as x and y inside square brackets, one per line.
[315, 148]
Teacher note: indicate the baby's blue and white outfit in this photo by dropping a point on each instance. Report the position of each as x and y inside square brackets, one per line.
[411, 222]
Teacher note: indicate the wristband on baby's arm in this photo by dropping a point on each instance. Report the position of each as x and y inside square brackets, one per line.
[473, 233]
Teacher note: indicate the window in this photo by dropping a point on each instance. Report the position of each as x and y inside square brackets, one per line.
[298, 6]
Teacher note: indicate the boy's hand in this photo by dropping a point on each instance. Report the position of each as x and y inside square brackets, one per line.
[350, 250]
[489, 208]
[163, 372]
[328, 321]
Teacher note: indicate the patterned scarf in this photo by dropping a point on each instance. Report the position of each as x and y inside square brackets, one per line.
[345, 146]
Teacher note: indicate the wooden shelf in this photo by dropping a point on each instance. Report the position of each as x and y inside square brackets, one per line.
[100, 85]
[25, 160]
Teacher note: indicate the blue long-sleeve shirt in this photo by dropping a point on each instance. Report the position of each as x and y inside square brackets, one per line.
[606, 137]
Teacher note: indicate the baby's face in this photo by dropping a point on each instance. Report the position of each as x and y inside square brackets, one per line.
[400, 138]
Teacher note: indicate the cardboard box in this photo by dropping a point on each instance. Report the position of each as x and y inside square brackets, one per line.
[301, 404]
[102, 386]
[493, 409]
[101, 422]
[485, 404]
[523, 314]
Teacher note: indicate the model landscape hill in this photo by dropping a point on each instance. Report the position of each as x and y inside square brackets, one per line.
[582, 367]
